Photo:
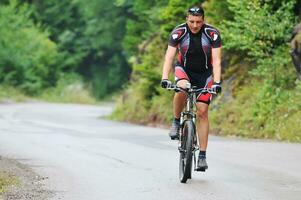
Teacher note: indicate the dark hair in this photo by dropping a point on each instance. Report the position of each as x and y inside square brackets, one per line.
[196, 11]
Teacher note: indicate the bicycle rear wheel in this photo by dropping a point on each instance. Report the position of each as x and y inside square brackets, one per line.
[185, 164]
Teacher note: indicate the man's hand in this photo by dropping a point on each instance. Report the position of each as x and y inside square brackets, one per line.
[216, 87]
[165, 83]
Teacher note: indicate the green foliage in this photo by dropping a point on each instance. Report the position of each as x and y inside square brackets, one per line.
[261, 99]
[142, 23]
[142, 100]
[174, 13]
[215, 11]
[260, 30]
[104, 34]
[12, 94]
[89, 37]
[257, 29]
[66, 25]
[27, 56]
[251, 117]
[98, 39]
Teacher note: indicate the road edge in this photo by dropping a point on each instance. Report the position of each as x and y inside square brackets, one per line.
[27, 184]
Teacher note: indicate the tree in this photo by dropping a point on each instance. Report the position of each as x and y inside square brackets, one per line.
[27, 57]
[89, 36]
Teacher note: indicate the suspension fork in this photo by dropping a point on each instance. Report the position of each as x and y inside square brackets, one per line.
[188, 114]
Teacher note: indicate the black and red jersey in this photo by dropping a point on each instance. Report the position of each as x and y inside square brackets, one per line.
[195, 49]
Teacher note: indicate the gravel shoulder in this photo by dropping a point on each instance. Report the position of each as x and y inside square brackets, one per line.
[27, 184]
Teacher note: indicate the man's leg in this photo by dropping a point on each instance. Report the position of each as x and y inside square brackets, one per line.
[203, 126]
[179, 99]
[203, 132]
[178, 105]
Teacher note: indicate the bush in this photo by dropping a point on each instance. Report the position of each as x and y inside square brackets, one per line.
[27, 57]
[70, 88]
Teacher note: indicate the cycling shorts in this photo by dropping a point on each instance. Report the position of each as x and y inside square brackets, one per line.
[203, 80]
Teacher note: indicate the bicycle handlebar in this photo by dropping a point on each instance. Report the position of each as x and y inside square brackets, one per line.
[190, 90]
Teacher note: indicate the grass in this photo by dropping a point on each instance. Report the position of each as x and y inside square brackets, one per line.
[69, 93]
[72, 93]
[6, 180]
[9, 93]
[247, 115]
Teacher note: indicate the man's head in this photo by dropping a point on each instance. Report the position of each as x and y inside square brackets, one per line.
[195, 18]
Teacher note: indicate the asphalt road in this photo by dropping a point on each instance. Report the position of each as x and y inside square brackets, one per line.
[89, 158]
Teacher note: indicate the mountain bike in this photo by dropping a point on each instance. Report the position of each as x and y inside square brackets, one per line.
[188, 141]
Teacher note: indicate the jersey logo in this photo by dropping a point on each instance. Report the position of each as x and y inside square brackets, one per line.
[179, 33]
[213, 36]
[175, 36]
[211, 33]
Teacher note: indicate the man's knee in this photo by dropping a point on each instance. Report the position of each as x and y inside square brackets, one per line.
[181, 96]
[182, 83]
[203, 113]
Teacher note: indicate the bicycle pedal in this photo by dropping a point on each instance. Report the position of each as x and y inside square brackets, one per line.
[181, 150]
[174, 137]
[201, 169]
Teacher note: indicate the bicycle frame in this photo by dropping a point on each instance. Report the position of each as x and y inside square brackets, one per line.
[189, 114]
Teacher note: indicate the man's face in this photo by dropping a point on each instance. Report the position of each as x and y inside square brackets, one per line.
[195, 23]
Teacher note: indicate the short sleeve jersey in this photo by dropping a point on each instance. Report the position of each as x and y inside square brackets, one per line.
[195, 49]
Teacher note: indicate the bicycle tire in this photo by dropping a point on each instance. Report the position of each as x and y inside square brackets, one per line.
[185, 160]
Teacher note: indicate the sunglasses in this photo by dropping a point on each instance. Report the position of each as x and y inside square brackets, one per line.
[195, 11]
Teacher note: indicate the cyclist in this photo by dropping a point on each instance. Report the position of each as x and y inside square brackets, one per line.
[199, 57]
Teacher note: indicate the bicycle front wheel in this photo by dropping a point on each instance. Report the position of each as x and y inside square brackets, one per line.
[185, 164]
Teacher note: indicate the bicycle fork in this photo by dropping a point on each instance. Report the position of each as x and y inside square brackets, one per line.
[195, 146]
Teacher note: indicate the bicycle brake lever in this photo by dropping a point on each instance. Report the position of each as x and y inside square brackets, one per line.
[177, 90]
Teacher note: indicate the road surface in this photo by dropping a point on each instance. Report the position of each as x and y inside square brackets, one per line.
[89, 158]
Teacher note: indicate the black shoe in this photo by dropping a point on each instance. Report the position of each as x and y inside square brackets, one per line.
[202, 164]
[174, 131]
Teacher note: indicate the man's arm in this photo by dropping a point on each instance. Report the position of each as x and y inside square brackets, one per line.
[217, 69]
[169, 57]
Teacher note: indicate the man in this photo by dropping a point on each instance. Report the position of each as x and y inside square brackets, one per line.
[199, 56]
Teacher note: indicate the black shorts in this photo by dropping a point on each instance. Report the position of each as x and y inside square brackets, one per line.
[203, 80]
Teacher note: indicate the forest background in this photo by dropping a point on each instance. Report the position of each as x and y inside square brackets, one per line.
[84, 51]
